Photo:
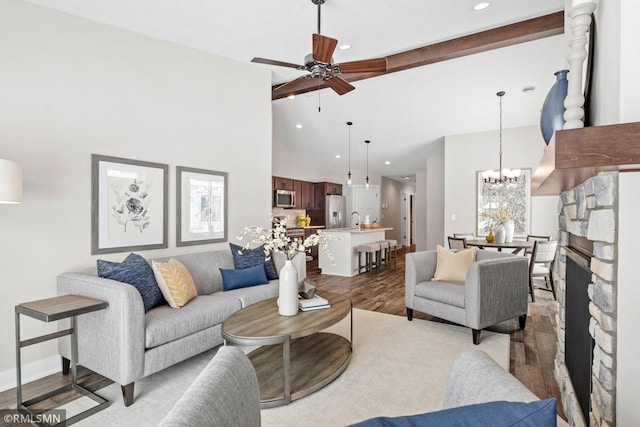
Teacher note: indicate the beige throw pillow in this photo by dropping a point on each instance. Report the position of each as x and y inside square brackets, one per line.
[175, 282]
[453, 266]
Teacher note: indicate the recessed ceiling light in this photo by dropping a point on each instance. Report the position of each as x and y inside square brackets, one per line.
[299, 126]
[338, 156]
[528, 89]
[406, 177]
[291, 97]
[481, 6]
[387, 162]
[344, 46]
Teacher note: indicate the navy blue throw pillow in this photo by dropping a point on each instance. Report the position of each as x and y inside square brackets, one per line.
[236, 279]
[539, 413]
[245, 258]
[136, 271]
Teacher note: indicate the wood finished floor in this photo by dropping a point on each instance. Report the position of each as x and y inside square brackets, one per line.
[532, 350]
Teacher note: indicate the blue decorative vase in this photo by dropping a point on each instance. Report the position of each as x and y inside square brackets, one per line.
[551, 118]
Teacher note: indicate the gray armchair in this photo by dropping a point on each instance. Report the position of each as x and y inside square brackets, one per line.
[225, 394]
[495, 289]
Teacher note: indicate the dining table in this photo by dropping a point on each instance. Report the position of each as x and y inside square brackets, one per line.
[515, 245]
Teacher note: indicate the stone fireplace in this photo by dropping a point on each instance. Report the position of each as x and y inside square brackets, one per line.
[589, 211]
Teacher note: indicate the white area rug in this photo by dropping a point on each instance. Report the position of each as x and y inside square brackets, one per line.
[397, 368]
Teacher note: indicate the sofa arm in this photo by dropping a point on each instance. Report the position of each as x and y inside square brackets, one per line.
[111, 342]
[477, 378]
[496, 290]
[419, 267]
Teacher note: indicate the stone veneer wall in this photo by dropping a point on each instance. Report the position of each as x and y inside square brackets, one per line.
[590, 210]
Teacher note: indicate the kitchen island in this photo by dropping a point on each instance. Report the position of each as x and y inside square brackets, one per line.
[344, 249]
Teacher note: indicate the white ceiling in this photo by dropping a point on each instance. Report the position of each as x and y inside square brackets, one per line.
[401, 113]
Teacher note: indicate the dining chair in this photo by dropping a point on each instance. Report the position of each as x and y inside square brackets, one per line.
[541, 264]
[533, 237]
[457, 243]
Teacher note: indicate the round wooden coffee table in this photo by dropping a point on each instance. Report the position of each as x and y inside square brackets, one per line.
[310, 359]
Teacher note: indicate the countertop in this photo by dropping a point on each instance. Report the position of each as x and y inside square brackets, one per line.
[305, 227]
[357, 230]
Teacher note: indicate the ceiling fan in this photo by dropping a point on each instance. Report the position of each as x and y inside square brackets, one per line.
[320, 64]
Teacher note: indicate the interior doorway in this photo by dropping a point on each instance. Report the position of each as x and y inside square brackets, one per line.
[406, 212]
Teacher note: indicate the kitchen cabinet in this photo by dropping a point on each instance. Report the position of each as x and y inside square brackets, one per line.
[297, 187]
[280, 183]
[322, 189]
[306, 195]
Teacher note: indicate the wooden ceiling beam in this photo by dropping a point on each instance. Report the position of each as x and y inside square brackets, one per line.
[508, 35]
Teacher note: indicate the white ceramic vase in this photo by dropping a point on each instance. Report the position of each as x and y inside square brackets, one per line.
[288, 291]
[500, 234]
[509, 228]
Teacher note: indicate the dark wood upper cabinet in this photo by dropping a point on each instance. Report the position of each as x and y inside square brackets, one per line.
[297, 187]
[306, 195]
[280, 183]
[322, 189]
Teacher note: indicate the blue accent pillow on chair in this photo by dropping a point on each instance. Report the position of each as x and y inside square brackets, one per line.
[245, 258]
[236, 279]
[539, 413]
[136, 271]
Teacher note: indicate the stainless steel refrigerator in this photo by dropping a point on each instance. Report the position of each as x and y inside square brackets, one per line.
[336, 214]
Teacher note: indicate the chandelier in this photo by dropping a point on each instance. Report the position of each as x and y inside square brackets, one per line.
[501, 176]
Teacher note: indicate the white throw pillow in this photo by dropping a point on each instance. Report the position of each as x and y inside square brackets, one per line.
[453, 266]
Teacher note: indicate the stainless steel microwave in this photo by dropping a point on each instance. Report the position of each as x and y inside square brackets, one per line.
[284, 198]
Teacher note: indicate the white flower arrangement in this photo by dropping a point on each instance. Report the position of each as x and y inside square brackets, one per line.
[275, 239]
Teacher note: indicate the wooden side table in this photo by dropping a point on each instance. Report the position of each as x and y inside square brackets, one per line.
[48, 310]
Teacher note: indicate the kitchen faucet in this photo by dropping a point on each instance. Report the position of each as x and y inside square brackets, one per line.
[357, 224]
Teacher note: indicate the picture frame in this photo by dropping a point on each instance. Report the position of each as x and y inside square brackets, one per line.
[490, 196]
[128, 205]
[201, 204]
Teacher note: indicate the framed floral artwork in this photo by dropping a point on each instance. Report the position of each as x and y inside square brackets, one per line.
[128, 205]
[201, 200]
[496, 201]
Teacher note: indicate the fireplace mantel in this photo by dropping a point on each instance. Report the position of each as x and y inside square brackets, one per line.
[575, 155]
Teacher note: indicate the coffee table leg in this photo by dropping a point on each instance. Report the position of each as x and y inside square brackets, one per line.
[286, 368]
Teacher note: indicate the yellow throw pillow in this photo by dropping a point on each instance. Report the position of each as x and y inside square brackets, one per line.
[175, 282]
[453, 266]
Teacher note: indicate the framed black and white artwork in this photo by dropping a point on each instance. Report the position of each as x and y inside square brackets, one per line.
[128, 205]
[201, 200]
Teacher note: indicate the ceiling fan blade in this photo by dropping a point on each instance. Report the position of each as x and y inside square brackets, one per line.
[339, 85]
[378, 65]
[323, 48]
[278, 63]
[292, 86]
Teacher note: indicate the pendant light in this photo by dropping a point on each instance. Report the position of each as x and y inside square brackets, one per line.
[501, 176]
[366, 185]
[349, 173]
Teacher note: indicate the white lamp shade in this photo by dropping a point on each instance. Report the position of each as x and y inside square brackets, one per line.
[10, 182]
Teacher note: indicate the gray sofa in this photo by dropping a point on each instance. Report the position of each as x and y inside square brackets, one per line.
[125, 344]
[495, 289]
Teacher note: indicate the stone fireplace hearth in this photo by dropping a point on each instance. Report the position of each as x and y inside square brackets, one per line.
[589, 210]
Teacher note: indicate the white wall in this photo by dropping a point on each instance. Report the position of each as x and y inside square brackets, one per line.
[435, 190]
[420, 212]
[628, 347]
[465, 155]
[71, 87]
[391, 195]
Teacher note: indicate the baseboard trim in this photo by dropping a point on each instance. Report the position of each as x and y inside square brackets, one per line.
[30, 372]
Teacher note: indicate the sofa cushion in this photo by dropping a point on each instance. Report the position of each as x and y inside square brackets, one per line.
[175, 282]
[135, 271]
[539, 413]
[450, 293]
[245, 258]
[453, 266]
[164, 324]
[244, 278]
[203, 267]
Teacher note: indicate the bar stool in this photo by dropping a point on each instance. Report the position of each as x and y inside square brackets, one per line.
[393, 246]
[371, 251]
[383, 256]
